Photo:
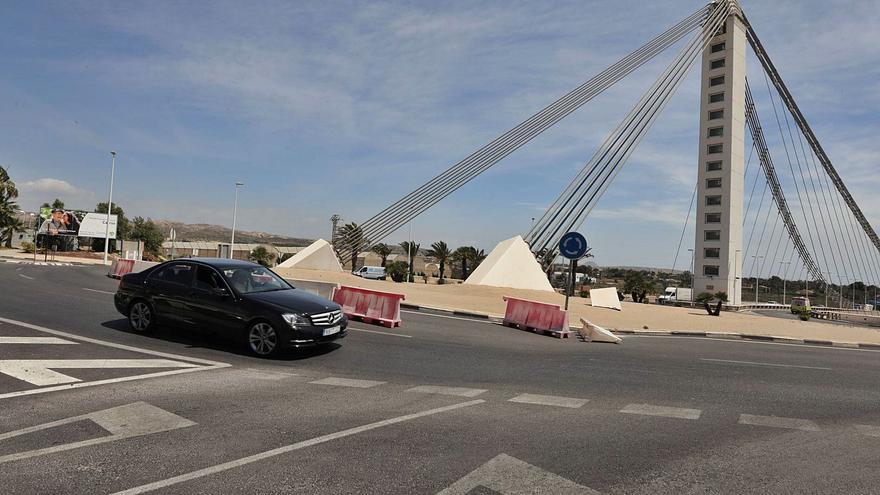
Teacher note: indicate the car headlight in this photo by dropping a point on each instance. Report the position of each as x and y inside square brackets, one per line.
[295, 320]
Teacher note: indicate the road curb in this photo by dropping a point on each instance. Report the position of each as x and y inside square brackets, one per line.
[668, 333]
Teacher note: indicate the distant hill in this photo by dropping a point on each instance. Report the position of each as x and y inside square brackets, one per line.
[207, 232]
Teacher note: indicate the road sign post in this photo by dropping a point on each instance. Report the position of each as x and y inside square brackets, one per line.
[572, 246]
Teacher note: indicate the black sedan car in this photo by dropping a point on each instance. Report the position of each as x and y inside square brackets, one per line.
[235, 298]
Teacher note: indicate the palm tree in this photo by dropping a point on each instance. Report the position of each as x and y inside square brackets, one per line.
[9, 223]
[351, 236]
[383, 250]
[442, 254]
[411, 249]
[262, 256]
[461, 256]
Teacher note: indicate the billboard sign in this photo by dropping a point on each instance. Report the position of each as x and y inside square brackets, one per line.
[94, 225]
[75, 223]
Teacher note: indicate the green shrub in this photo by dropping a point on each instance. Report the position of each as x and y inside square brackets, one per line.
[397, 270]
[27, 247]
[704, 297]
[804, 314]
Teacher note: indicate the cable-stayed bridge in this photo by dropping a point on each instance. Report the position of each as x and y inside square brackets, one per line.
[791, 217]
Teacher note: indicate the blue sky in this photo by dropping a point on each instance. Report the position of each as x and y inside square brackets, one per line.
[342, 107]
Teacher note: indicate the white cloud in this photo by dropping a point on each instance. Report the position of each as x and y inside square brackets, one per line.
[33, 193]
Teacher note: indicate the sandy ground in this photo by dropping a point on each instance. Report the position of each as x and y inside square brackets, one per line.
[633, 316]
[58, 258]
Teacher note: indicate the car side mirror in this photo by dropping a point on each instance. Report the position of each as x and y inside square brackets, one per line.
[220, 291]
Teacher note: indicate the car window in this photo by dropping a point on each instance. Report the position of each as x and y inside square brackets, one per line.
[208, 279]
[178, 273]
[246, 280]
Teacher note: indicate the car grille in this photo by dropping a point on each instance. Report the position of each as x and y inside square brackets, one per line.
[326, 319]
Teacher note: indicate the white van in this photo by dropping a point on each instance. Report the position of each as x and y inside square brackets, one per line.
[373, 272]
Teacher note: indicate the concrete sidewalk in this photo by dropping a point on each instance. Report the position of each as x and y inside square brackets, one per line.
[20, 257]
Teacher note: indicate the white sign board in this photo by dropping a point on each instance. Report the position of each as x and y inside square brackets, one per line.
[94, 225]
[605, 298]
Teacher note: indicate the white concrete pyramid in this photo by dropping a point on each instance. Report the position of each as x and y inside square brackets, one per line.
[511, 264]
[318, 255]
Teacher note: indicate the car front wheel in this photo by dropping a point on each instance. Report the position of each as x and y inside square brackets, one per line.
[141, 317]
[263, 339]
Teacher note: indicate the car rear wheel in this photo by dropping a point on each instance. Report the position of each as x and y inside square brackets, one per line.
[263, 340]
[141, 317]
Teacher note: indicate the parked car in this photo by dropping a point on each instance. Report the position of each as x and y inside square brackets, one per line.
[239, 299]
[373, 272]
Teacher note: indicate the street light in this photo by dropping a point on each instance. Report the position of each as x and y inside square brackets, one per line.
[784, 277]
[234, 214]
[756, 276]
[826, 287]
[109, 207]
[736, 277]
[693, 275]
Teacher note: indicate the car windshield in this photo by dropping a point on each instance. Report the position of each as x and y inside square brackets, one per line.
[247, 280]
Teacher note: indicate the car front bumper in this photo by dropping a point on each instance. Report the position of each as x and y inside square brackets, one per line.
[311, 336]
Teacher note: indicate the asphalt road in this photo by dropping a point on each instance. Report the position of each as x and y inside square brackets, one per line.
[441, 405]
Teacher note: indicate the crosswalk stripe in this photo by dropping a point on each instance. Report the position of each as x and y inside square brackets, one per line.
[34, 340]
[665, 411]
[778, 422]
[347, 382]
[457, 391]
[549, 400]
[39, 371]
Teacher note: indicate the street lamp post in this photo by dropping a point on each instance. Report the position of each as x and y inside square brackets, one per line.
[109, 207]
[784, 278]
[756, 276]
[826, 287]
[234, 215]
[693, 275]
[736, 277]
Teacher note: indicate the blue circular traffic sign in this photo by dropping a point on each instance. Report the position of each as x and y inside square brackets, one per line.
[573, 246]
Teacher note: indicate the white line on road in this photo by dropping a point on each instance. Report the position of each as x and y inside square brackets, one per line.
[774, 365]
[127, 421]
[777, 422]
[868, 430]
[347, 382]
[457, 391]
[290, 448]
[22, 275]
[99, 291]
[753, 342]
[549, 400]
[39, 371]
[381, 333]
[34, 340]
[666, 412]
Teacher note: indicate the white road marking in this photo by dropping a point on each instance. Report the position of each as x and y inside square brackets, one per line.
[510, 476]
[774, 365]
[477, 320]
[34, 340]
[127, 421]
[667, 412]
[347, 382]
[381, 333]
[99, 291]
[868, 430]
[777, 422]
[262, 374]
[549, 400]
[22, 275]
[207, 364]
[290, 448]
[39, 371]
[457, 391]
[755, 342]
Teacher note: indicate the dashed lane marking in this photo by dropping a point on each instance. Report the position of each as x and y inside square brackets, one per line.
[34, 340]
[347, 382]
[381, 333]
[99, 291]
[549, 400]
[773, 365]
[22, 275]
[457, 391]
[665, 411]
[290, 448]
[778, 422]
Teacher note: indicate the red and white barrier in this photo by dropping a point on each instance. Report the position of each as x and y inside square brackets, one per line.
[123, 266]
[369, 305]
[536, 316]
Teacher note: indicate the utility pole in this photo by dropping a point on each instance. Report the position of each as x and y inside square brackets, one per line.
[784, 277]
[756, 257]
[109, 207]
[693, 276]
[234, 214]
